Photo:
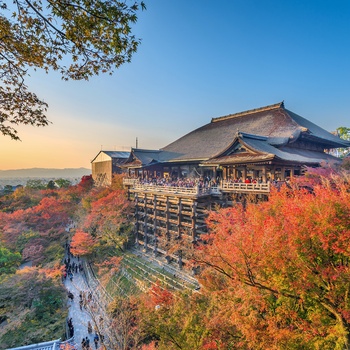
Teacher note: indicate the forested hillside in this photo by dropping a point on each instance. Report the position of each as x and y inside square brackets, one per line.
[274, 275]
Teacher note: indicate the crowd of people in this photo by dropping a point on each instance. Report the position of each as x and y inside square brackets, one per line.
[73, 266]
[202, 182]
[249, 180]
[85, 343]
[187, 182]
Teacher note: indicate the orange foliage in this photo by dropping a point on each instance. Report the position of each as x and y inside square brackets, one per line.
[150, 346]
[82, 243]
[49, 218]
[160, 296]
[280, 269]
[52, 273]
[108, 268]
[109, 211]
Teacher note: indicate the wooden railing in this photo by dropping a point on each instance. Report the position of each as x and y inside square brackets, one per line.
[245, 187]
[225, 186]
[49, 345]
[194, 190]
[130, 181]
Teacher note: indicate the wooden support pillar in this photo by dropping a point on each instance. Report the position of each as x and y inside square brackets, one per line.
[264, 176]
[283, 173]
[167, 223]
[155, 223]
[179, 214]
[145, 238]
[244, 173]
[273, 173]
[136, 226]
[224, 173]
[291, 172]
[194, 219]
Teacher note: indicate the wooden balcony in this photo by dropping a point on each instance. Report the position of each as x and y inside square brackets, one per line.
[197, 191]
[130, 181]
[227, 186]
[194, 191]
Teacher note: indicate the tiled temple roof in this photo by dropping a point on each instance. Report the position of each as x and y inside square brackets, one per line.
[269, 132]
[275, 122]
[259, 150]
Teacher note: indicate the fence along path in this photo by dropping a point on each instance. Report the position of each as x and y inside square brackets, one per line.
[49, 345]
[92, 309]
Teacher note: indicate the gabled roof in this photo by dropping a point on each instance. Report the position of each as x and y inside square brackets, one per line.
[142, 157]
[258, 149]
[145, 156]
[275, 122]
[112, 155]
[117, 154]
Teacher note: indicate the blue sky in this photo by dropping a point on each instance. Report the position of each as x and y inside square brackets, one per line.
[198, 59]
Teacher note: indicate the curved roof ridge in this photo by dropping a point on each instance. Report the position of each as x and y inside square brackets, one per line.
[252, 136]
[251, 111]
[144, 150]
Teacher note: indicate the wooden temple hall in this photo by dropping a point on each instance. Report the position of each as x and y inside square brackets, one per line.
[232, 156]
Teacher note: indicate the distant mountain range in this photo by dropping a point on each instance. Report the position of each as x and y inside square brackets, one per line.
[45, 173]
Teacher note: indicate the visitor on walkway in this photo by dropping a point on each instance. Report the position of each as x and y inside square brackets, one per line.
[96, 339]
[89, 327]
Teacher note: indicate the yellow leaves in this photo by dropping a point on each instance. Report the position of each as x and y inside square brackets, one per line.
[25, 270]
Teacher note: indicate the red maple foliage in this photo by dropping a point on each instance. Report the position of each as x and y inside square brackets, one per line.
[49, 218]
[280, 269]
[82, 243]
[108, 218]
[160, 296]
[34, 249]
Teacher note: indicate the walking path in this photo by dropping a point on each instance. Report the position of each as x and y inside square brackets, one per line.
[82, 310]
[87, 301]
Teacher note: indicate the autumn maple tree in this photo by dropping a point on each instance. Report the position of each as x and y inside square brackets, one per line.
[108, 218]
[82, 243]
[184, 321]
[279, 270]
[33, 224]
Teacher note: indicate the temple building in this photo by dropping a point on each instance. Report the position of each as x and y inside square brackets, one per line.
[267, 143]
[105, 164]
[231, 157]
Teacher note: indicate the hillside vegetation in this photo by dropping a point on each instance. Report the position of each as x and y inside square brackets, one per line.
[273, 275]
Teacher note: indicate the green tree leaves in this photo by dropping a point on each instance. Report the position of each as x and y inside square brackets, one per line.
[9, 261]
[79, 38]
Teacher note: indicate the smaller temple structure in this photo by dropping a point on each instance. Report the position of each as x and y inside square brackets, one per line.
[105, 164]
